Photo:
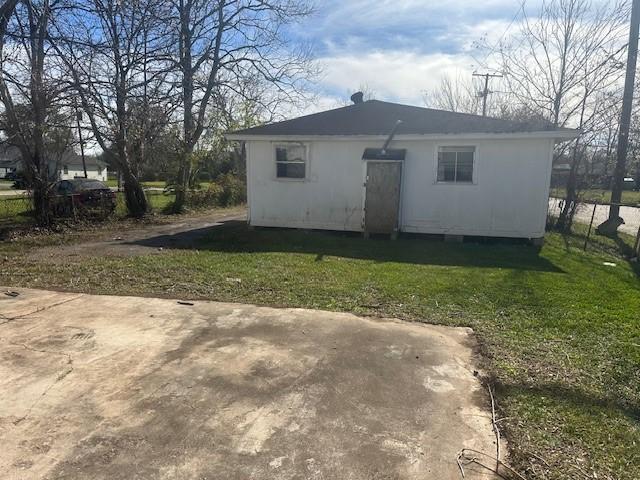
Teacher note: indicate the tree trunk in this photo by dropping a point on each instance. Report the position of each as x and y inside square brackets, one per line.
[182, 185]
[41, 201]
[565, 219]
[136, 201]
[39, 108]
[188, 122]
[135, 198]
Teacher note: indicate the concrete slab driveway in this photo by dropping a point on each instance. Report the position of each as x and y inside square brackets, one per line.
[98, 387]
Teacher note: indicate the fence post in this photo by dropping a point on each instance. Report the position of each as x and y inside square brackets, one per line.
[73, 207]
[636, 247]
[593, 216]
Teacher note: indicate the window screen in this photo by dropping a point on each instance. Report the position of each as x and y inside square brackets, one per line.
[455, 164]
[291, 161]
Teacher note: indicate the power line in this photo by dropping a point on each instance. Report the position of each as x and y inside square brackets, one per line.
[485, 92]
[493, 48]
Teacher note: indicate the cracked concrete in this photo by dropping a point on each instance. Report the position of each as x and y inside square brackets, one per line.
[107, 387]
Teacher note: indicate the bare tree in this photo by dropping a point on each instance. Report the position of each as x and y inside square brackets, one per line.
[30, 93]
[6, 11]
[252, 103]
[546, 61]
[455, 94]
[606, 125]
[219, 43]
[559, 62]
[111, 49]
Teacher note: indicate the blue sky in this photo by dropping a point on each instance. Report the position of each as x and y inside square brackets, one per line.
[400, 48]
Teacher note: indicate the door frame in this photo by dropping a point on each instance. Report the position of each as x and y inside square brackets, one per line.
[365, 164]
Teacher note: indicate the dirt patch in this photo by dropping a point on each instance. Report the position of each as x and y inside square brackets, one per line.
[146, 240]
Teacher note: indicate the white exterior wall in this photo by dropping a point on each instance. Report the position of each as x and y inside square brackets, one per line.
[507, 199]
[75, 171]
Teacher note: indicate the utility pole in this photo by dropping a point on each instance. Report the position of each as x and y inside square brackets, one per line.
[485, 92]
[610, 226]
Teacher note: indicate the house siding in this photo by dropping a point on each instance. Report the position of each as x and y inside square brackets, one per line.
[507, 199]
[75, 171]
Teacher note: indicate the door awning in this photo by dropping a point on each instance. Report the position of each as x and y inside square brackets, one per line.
[382, 154]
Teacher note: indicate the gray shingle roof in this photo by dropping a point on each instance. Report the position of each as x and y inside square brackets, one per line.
[10, 155]
[375, 117]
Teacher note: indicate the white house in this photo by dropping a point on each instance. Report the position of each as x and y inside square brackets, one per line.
[70, 166]
[63, 167]
[379, 167]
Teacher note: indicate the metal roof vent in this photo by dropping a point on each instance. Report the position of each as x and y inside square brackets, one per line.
[357, 98]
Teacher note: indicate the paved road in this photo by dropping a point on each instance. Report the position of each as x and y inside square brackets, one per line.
[103, 387]
[630, 215]
[12, 193]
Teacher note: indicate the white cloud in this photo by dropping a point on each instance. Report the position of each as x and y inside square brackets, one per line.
[319, 103]
[400, 48]
[380, 15]
[399, 73]
[393, 75]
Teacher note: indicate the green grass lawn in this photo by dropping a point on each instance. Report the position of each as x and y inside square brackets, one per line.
[152, 184]
[17, 209]
[158, 202]
[559, 330]
[156, 184]
[599, 195]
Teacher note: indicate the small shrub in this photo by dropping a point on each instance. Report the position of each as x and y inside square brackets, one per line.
[205, 198]
[228, 190]
[233, 190]
[174, 184]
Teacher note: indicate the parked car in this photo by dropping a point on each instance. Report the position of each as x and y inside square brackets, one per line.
[629, 183]
[82, 196]
[18, 179]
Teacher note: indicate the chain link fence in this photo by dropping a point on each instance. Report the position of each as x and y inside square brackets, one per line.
[18, 210]
[592, 213]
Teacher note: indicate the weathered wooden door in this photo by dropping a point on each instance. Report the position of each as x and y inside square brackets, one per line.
[382, 198]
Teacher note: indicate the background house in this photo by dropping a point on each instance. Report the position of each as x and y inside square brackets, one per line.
[70, 166]
[67, 166]
[443, 173]
[9, 161]
[595, 170]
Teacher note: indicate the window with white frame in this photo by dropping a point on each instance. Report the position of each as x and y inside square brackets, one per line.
[455, 164]
[291, 161]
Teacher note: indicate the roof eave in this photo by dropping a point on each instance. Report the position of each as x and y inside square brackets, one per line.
[558, 135]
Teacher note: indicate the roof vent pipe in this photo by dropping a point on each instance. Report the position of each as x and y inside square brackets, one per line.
[391, 135]
[357, 98]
